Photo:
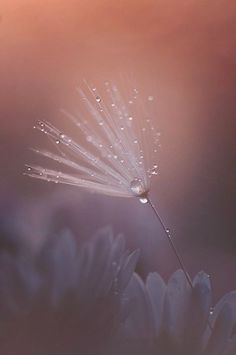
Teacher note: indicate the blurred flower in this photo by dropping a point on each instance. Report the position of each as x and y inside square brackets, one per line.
[64, 301]
[120, 159]
[172, 319]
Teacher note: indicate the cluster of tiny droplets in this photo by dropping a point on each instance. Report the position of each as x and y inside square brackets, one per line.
[117, 152]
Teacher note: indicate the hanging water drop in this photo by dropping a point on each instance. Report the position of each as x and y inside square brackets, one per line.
[150, 98]
[143, 200]
[98, 99]
[57, 141]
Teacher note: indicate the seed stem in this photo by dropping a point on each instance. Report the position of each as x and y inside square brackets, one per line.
[176, 252]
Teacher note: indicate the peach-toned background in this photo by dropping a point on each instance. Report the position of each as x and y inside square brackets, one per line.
[182, 51]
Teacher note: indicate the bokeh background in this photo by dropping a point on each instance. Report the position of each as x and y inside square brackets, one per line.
[184, 53]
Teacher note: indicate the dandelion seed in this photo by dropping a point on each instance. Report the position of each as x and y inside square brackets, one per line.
[133, 150]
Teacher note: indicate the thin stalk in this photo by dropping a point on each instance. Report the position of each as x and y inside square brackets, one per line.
[171, 243]
[174, 249]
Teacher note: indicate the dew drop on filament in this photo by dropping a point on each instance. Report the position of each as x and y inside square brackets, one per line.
[98, 99]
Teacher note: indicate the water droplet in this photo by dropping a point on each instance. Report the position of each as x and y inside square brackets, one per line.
[154, 170]
[130, 118]
[135, 141]
[150, 98]
[167, 231]
[62, 135]
[98, 99]
[115, 156]
[29, 168]
[122, 128]
[143, 200]
[113, 105]
[130, 102]
[211, 310]
[122, 161]
[94, 89]
[101, 123]
[137, 187]
[57, 141]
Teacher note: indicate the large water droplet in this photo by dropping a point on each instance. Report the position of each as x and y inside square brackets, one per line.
[98, 99]
[57, 141]
[150, 98]
[137, 187]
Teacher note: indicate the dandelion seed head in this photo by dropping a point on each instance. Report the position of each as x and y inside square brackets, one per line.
[117, 157]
